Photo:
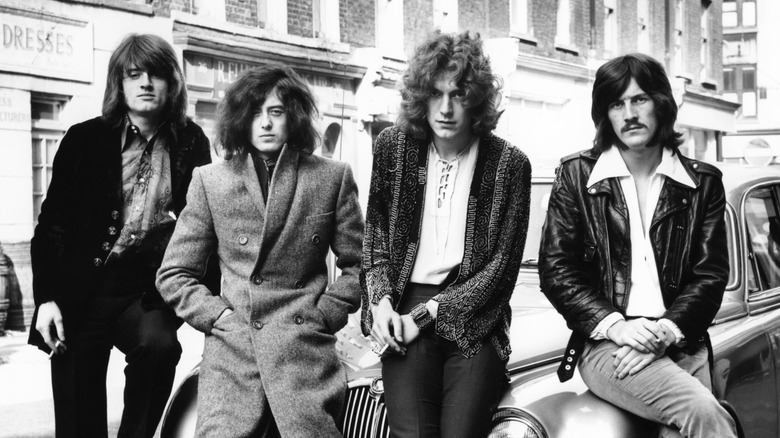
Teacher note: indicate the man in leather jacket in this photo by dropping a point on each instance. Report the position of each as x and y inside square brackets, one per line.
[634, 256]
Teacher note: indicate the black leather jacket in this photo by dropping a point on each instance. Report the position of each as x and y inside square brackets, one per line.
[585, 255]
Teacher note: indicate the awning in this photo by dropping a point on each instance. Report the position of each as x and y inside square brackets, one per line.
[707, 112]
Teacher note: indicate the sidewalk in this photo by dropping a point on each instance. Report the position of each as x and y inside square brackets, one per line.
[26, 408]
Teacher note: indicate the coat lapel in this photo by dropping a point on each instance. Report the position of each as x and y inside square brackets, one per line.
[281, 192]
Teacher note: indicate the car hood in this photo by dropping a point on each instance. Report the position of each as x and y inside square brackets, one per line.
[538, 334]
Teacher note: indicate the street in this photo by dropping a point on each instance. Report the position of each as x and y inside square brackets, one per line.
[26, 408]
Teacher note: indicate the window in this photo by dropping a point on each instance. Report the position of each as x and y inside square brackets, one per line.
[390, 26]
[704, 56]
[739, 84]
[331, 140]
[762, 220]
[325, 15]
[739, 13]
[210, 8]
[47, 131]
[518, 17]
[563, 22]
[610, 28]
[272, 15]
[643, 25]
[445, 15]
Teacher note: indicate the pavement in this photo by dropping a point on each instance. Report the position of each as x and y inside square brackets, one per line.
[26, 408]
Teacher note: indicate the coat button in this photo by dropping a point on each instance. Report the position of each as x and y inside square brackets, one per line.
[315, 239]
[591, 191]
[111, 231]
[685, 201]
[298, 319]
[299, 284]
[256, 279]
[115, 215]
[106, 246]
[243, 239]
[695, 165]
[257, 324]
[97, 262]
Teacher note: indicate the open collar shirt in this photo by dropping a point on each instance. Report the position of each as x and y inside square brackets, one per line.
[645, 297]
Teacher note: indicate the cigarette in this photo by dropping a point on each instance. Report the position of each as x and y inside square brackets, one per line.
[56, 344]
[51, 354]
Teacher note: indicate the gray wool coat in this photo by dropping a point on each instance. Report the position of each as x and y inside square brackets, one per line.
[275, 355]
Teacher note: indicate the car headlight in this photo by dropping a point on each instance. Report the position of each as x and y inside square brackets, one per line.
[513, 423]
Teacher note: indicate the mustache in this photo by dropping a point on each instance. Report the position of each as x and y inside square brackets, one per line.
[631, 125]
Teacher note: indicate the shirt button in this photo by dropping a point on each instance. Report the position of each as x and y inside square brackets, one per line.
[256, 279]
[315, 239]
[243, 239]
[299, 284]
[111, 231]
[97, 262]
[298, 319]
[114, 215]
[257, 324]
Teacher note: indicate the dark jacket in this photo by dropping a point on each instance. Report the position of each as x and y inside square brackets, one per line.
[80, 217]
[585, 255]
[474, 307]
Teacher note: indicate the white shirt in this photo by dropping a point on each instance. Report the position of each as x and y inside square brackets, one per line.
[645, 297]
[443, 233]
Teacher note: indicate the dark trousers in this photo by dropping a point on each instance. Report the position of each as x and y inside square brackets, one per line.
[434, 391]
[148, 340]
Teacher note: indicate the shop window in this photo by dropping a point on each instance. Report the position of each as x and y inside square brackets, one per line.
[47, 131]
[331, 140]
[762, 217]
[519, 13]
[325, 15]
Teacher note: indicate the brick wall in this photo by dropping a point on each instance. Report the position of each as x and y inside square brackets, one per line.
[498, 18]
[299, 18]
[242, 12]
[418, 22]
[472, 16]
[164, 7]
[358, 25]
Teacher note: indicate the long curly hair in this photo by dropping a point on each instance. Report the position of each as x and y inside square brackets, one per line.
[245, 97]
[459, 54]
[612, 80]
[157, 57]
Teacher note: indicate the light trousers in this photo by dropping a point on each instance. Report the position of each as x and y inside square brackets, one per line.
[674, 390]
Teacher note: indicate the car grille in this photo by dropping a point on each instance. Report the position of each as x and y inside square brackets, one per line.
[366, 416]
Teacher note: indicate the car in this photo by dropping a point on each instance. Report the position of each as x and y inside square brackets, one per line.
[745, 337]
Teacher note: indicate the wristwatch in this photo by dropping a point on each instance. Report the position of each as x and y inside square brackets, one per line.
[421, 317]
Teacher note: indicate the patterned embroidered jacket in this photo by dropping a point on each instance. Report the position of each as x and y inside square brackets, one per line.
[474, 307]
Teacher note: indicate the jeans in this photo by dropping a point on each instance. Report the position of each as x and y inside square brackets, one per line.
[434, 391]
[674, 390]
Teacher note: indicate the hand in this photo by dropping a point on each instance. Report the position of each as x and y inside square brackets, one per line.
[641, 334]
[49, 316]
[629, 361]
[387, 327]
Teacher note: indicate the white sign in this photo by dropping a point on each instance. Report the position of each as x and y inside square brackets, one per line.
[42, 47]
[14, 110]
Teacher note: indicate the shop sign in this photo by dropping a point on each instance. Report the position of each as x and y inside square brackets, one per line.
[47, 48]
[14, 110]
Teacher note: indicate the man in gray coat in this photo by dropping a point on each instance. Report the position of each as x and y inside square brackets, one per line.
[269, 213]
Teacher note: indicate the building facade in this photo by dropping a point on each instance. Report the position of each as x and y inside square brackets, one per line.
[352, 52]
[751, 76]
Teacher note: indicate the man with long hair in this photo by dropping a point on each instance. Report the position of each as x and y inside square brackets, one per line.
[634, 256]
[445, 230]
[270, 212]
[119, 181]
